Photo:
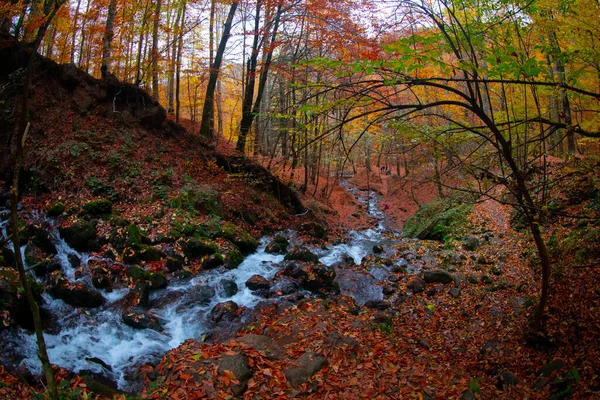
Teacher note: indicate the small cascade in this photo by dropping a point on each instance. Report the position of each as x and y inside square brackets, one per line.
[98, 340]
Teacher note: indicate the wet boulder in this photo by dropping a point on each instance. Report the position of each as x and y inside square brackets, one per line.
[75, 294]
[438, 276]
[295, 271]
[284, 286]
[226, 311]
[101, 277]
[14, 307]
[378, 249]
[279, 245]
[213, 261]
[319, 276]
[238, 236]
[301, 253]
[41, 238]
[314, 229]
[174, 263]
[257, 282]
[81, 236]
[196, 248]
[228, 287]
[139, 295]
[141, 319]
[202, 294]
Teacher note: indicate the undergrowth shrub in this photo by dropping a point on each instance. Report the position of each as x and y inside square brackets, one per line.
[439, 219]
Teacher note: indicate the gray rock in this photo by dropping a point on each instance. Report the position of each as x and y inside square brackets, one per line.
[308, 364]
[226, 311]
[454, 292]
[228, 287]
[471, 243]
[237, 364]
[257, 282]
[438, 276]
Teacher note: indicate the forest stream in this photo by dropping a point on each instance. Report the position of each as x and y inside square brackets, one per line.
[97, 339]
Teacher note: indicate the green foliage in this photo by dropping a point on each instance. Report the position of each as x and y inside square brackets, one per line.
[439, 219]
[474, 385]
[56, 209]
[99, 188]
[194, 197]
[564, 386]
[385, 327]
[161, 183]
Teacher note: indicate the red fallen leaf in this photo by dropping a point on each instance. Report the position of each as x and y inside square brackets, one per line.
[267, 372]
[226, 381]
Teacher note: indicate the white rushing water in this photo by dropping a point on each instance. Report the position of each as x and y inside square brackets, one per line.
[83, 337]
[89, 335]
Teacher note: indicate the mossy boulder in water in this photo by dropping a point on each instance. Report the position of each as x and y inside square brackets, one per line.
[314, 229]
[81, 236]
[197, 248]
[279, 245]
[75, 294]
[238, 236]
[301, 253]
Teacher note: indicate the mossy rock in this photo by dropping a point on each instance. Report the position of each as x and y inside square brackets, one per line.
[233, 259]
[150, 253]
[128, 236]
[56, 209]
[239, 236]
[157, 280]
[41, 238]
[301, 253]
[279, 245]
[81, 236]
[97, 208]
[197, 248]
[314, 229]
[136, 273]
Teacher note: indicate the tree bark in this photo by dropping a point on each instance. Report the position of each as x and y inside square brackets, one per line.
[208, 109]
[248, 118]
[109, 33]
[155, 93]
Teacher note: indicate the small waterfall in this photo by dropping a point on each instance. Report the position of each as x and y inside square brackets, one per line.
[97, 339]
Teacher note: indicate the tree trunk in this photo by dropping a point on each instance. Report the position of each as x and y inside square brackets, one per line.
[178, 69]
[208, 109]
[109, 33]
[155, 94]
[247, 118]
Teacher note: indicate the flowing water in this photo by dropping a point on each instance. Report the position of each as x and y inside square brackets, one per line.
[97, 339]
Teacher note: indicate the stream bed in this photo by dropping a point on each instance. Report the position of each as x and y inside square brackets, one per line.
[98, 340]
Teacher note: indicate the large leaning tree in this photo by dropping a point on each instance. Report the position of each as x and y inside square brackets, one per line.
[487, 75]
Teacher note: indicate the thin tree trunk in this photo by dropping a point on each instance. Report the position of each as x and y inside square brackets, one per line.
[109, 33]
[178, 73]
[207, 111]
[155, 51]
[249, 117]
[23, 129]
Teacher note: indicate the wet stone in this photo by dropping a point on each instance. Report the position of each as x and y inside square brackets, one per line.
[257, 282]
